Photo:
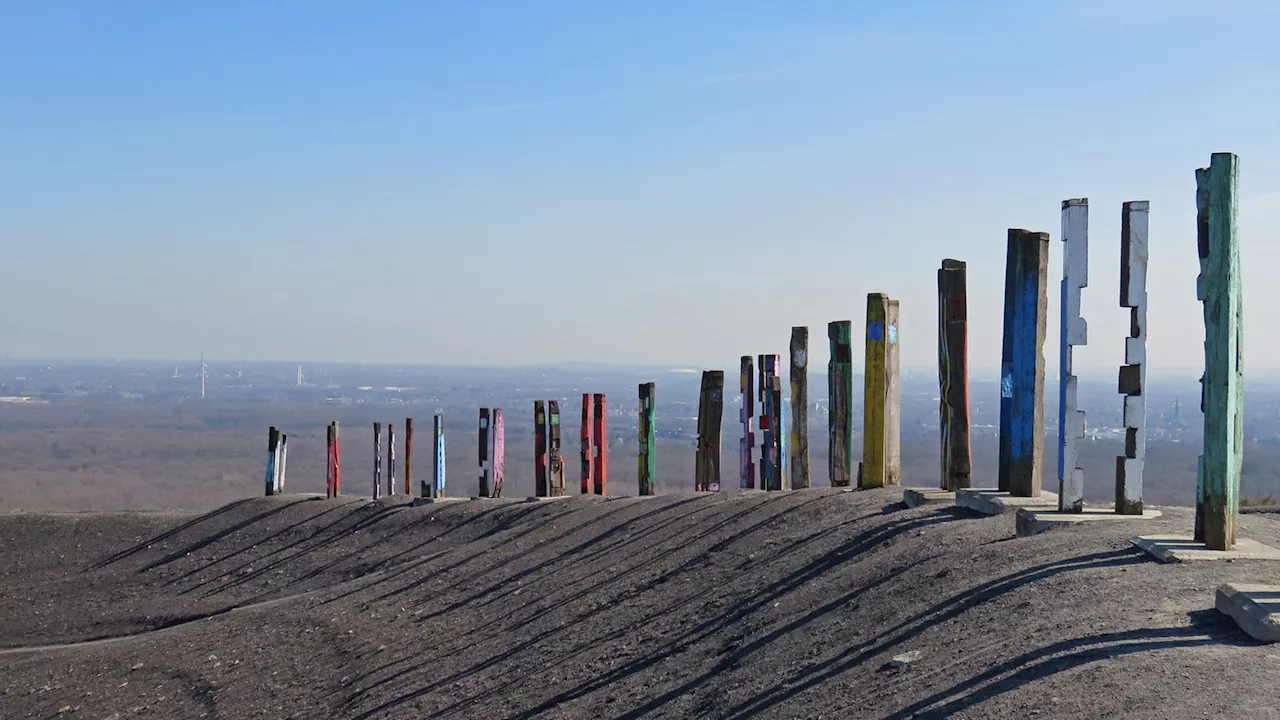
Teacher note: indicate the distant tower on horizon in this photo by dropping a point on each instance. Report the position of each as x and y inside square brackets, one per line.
[1177, 410]
[299, 376]
[203, 371]
[175, 371]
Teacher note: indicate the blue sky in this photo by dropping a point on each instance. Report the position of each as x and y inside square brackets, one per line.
[638, 182]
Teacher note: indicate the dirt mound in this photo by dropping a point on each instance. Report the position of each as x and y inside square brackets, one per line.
[713, 606]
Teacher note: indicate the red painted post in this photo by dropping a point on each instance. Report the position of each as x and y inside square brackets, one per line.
[337, 459]
[601, 469]
[499, 452]
[328, 461]
[587, 445]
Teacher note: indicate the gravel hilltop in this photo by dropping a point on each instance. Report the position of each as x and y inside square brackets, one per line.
[808, 604]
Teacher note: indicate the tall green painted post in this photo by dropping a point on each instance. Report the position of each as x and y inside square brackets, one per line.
[647, 460]
[1222, 394]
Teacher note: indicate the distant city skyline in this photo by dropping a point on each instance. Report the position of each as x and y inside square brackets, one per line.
[668, 183]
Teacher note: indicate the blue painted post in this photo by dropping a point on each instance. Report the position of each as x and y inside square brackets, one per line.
[1219, 288]
[1022, 452]
[1006, 366]
[273, 444]
[437, 476]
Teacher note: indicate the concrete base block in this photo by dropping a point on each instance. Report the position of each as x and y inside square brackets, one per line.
[994, 502]
[915, 497]
[432, 501]
[1182, 548]
[1033, 522]
[537, 498]
[1255, 608]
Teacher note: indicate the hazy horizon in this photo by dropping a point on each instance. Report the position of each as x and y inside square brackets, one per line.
[501, 183]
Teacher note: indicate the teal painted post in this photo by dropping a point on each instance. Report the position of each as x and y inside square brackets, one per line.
[1219, 288]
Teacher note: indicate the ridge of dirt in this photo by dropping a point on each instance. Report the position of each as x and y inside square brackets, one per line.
[727, 605]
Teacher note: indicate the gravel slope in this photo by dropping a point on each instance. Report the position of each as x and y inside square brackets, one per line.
[734, 605]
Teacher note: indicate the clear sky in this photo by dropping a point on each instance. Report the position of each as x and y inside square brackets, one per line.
[666, 181]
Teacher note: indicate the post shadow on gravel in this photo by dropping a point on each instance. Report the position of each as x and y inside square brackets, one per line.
[167, 534]
[570, 556]
[759, 599]
[214, 537]
[918, 623]
[1208, 627]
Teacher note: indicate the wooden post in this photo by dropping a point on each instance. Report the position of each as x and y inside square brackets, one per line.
[484, 442]
[1022, 452]
[710, 416]
[328, 461]
[337, 460]
[408, 456]
[391, 459]
[600, 470]
[438, 467]
[377, 460]
[647, 458]
[840, 403]
[770, 414]
[498, 453]
[273, 442]
[1006, 366]
[799, 408]
[881, 425]
[540, 449]
[1133, 374]
[953, 375]
[747, 471]
[587, 446]
[1219, 288]
[1073, 331]
[555, 460]
[282, 464]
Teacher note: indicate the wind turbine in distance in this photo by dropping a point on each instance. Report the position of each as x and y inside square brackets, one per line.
[203, 369]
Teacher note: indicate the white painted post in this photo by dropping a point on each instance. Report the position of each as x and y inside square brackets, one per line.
[1133, 374]
[1074, 331]
[391, 459]
[280, 466]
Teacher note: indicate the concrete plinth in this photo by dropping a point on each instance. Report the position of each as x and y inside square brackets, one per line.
[1182, 548]
[432, 501]
[1255, 608]
[1031, 521]
[994, 502]
[915, 497]
[537, 498]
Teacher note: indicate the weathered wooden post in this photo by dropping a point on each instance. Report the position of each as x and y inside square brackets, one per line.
[1073, 330]
[587, 446]
[710, 415]
[799, 408]
[1219, 288]
[484, 442]
[600, 469]
[540, 449]
[273, 444]
[1022, 441]
[498, 453]
[408, 456]
[282, 464]
[391, 459]
[747, 445]
[647, 458]
[770, 414]
[881, 428]
[377, 460]
[328, 461]
[555, 460]
[337, 459]
[840, 403]
[1133, 374]
[953, 375]
[438, 467]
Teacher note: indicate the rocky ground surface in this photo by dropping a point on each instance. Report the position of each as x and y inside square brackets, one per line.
[808, 604]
